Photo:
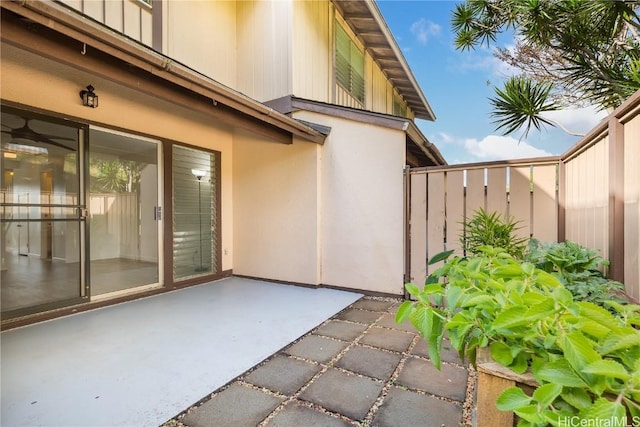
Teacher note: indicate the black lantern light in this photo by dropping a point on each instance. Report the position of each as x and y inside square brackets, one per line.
[89, 99]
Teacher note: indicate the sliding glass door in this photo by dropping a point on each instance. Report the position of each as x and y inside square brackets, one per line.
[42, 213]
[124, 213]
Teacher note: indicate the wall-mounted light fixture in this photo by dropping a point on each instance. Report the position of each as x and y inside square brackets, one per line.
[89, 99]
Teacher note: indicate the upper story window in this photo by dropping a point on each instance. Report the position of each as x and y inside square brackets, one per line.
[349, 65]
[399, 107]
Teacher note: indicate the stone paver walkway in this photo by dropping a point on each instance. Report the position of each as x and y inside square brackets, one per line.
[358, 368]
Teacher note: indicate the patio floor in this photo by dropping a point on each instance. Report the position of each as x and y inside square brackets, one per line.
[140, 363]
[359, 368]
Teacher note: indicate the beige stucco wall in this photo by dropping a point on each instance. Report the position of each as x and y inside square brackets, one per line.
[45, 84]
[275, 210]
[361, 223]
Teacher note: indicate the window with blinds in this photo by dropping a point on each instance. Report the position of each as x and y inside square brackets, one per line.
[194, 213]
[349, 65]
[399, 107]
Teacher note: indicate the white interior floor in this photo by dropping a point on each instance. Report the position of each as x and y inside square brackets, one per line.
[142, 362]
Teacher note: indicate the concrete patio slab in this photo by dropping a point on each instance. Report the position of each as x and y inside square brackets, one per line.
[367, 361]
[448, 354]
[341, 330]
[373, 305]
[295, 415]
[283, 374]
[389, 321]
[359, 316]
[235, 406]
[314, 347]
[407, 408]
[142, 362]
[343, 393]
[388, 339]
[420, 374]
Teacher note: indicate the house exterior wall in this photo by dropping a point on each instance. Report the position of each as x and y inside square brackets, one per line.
[361, 223]
[264, 46]
[133, 18]
[202, 35]
[275, 210]
[54, 87]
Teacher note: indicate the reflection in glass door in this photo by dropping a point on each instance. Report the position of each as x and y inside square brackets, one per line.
[124, 213]
[41, 201]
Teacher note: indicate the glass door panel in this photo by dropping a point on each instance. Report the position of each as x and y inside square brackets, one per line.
[41, 200]
[124, 217]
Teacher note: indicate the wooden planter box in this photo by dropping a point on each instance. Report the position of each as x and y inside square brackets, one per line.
[493, 379]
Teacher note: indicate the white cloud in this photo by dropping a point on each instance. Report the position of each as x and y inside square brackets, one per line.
[424, 29]
[445, 138]
[495, 147]
[580, 120]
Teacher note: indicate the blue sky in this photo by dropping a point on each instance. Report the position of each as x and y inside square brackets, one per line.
[458, 84]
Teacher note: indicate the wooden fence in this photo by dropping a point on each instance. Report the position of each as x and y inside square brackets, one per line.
[589, 195]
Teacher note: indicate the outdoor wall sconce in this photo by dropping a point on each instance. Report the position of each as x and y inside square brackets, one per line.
[89, 99]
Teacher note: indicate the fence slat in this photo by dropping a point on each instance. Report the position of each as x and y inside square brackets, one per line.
[454, 209]
[435, 215]
[418, 230]
[545, 203]
[497, 190]
[520, 198]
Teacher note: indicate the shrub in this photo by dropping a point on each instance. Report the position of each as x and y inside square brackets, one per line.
[484, 229]
[585, 359]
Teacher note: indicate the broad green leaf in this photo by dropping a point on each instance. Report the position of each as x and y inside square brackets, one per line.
[520, 363]
[507, 271]
[422, 319]
[562, 296]
[540, 310]
[558, 372]
[501, 353]
[452, 296]
[404, 311]
[529, 413]
[435, 346]
[579, 352]
[412, 289]
[478, 300]
[620, 342]
[431, 279]
[599, 315]
[547, 279]
[512, 398]
[576, 397]
[440, 257]
[608, 368]
[604, 411]
[593, 328]
[433, 289]
[547, 393]
[531, 298]
[510, 318]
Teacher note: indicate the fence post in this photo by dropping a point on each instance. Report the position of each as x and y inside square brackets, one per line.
[616, 199]
[407, 230]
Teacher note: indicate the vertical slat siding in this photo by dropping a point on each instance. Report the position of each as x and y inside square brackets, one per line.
[632, 207]
[475, 192]
[454, 210]
[418, 230]
[128, 17]
[545, 203]
[520, 198]
[435, 216]
[587, 198]
[497, 190]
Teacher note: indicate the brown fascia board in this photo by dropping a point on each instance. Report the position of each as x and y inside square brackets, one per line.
[423, 143]
[79, 27]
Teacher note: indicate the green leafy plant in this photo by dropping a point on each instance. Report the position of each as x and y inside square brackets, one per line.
[492, 229]
[579, 269]
[585, 359]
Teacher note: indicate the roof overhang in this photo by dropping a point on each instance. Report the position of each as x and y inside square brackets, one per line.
[420, 152]
[68, 22]
[367, 22]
